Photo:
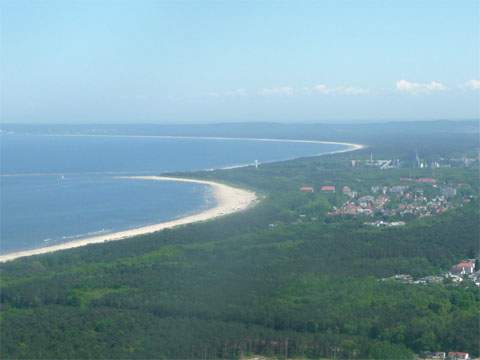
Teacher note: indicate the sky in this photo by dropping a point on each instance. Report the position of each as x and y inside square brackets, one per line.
[220, 61]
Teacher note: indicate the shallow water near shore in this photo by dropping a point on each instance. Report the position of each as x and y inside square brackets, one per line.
[56, 189]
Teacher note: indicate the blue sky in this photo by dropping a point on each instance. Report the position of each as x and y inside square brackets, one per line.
[214, 61]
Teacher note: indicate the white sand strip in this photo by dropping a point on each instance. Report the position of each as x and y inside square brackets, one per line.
[350, 146]
[229, 200]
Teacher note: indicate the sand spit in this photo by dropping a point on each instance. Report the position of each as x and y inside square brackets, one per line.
[229, 200]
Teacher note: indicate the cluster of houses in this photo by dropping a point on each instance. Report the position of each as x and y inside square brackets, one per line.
[417, 162]
[380, 223]
[452, 355]
[457, 162]
[463, 271]
[323, 188]
[466, 270]
[397, 200]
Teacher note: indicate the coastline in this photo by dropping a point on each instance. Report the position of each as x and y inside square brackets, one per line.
[229, 200]
[349, 147]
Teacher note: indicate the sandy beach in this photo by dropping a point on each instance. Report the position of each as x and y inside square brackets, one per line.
[229, 200]
[349, 146]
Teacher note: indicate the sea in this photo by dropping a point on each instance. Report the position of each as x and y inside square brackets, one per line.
[59, 188]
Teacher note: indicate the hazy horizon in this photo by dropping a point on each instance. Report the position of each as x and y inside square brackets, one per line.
[211, 62]
[220, 122]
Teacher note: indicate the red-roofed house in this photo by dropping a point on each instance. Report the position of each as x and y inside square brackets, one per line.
[307, 189]
[328, 188]
[454, 355]
[464, 267]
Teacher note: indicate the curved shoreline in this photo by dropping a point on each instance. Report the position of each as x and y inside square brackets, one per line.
[229, 200]
[349, 147]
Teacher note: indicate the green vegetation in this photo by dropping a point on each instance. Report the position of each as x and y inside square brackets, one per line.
[266, 281]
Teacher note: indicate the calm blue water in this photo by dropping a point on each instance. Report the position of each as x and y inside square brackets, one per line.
[59, 188]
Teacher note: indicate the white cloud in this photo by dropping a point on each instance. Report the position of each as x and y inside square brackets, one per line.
[322, 89]
[339, 90]
[473, 84]
[278, 90]
[419, 88]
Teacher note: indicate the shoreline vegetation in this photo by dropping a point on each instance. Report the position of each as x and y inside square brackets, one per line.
[229, 200]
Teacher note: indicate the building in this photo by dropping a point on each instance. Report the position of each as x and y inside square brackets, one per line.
[440, 355]
[328, 188]
[307, 189]
[347, 191]
[367, 199]
[453, 278]
[434, 355]
[464, 267]
[449, 191]
[398, 189]
[455, 355]
[426, 181]
[380, 223]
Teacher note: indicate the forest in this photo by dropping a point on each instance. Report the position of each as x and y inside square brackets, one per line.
[282, 280]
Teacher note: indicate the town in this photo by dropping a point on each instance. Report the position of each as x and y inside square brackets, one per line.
[410, 198]
[417, 162]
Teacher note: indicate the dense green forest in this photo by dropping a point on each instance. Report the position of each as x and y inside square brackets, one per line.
[283, 279]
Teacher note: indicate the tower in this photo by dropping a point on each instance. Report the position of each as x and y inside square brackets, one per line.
[417, 159]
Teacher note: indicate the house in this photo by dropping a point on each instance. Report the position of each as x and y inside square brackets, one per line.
[426, 181]
[449, 191]
[347, 191]
[464, 267]
[307, 189]
[455, 355]
[398, 189]
[434, 355]
[453, 278]
[381, 201]
[367, 199]
[380, 223]
[328, 188]
[434, 280]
